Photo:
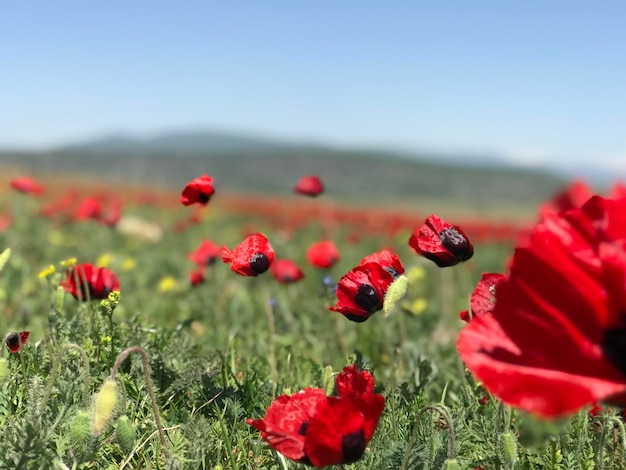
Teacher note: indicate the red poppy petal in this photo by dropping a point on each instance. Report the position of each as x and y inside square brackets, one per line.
[514, 376]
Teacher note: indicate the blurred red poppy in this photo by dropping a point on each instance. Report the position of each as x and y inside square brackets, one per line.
[483, 298]
[572, 197]
[312, 428]
[286, 271]
[86, 281]
[555, 339]
[441, 242]
[27, 185]
[252, 257]
[361, 292]
[206, 254]
[198, 191]
[16, 340]
[309, 186]
[323, 254]
[89, 208]
[196, 277]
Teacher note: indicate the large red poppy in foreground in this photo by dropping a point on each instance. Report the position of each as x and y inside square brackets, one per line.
[556, 339]
[312, 428]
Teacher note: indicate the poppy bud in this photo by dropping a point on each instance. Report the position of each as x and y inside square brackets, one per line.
[80, 433]
[395, 293]
[441, 242]
[451, 464]
[104, 406]
[508, 448]
[125, 434]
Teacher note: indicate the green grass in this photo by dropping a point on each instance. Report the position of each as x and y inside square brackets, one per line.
[220, 353]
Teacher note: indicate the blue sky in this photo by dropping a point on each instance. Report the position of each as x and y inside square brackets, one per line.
[533, 81]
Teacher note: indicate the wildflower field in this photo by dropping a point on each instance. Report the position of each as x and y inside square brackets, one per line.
[186, 330]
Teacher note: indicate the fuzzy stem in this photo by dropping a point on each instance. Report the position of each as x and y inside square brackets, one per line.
[446, 416]
[146, 372]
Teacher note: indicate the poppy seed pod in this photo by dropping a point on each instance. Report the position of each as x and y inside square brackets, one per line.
[104, 406]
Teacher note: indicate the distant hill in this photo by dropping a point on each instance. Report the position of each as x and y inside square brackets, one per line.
[257, 165]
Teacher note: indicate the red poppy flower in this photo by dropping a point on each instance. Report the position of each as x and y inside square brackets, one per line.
[99, 281]
[555, 339]
[317, 430]
[198, 191]
[90, 208]
[252, 257]
[196, 277]
[206, 254]
[483, 298]
[286, 271]
[27, 185]
[361, 292]
[441, 242]
[572, 197]
[309, 186]
[322, 254]
[15, 340]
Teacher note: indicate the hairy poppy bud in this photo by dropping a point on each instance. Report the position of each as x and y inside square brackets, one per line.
[125, 434]
[441, 242]
[395, 292]
[451, 464]
[508, 449]
[104, 406]
[80, 433]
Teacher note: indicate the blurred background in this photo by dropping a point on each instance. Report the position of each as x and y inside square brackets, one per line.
[484, 106]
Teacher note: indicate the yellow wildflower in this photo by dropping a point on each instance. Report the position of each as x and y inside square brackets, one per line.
[68, 263]
[416, 274]
[46, 272]
[168, 283]
[129, 264]
[104, 260]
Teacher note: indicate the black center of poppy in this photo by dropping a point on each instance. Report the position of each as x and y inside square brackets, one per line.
[367, 298]
[453, 241]
[614, 347]
[203, 198]
[259, 263]
[303, 428]
[353, 446]
[13, 340]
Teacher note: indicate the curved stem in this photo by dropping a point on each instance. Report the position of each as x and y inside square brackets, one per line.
[446, 416]
[146, 372]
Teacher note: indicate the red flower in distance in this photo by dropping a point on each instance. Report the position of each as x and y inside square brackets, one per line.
[16, 340]
[309, 186]
[252, 257]
[85, 281]
[286, 271]
[483, 298]
[198, 191]
[361, 292]
[206, 254]
[441, 242]
[322, 254]
[317, 430]
[90, 208]
[27, 185]
[196, 277]
[554, 342]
